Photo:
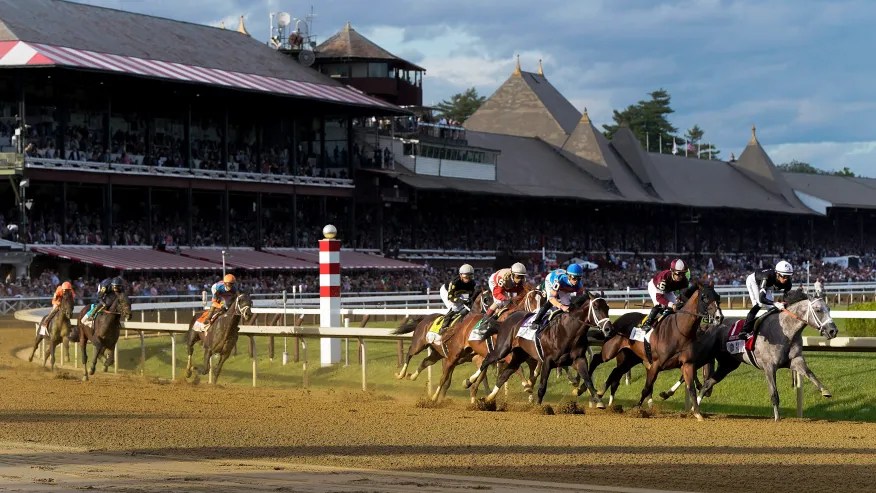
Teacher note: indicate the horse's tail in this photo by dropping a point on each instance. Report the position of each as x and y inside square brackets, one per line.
[409, 325]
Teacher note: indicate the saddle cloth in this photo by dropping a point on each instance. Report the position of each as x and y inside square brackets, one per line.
[200, 324]
[638, 334]
[436, 324]
[735, 345]
[526, 331]
[477, 333]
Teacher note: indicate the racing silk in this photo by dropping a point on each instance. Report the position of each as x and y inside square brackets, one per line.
[59, 294]
[103, 289]
[459, 291]
[557, 285]
[221, 294]
[766, 281]
[502, 285]
[665, 284]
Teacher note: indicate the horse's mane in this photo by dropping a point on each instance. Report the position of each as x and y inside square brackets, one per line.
[795, 296]
[578, 301]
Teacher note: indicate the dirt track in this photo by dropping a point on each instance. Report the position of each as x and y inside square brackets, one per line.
[219, 435]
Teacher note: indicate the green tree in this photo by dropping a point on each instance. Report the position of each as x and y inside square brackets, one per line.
[795, 166]
[845, 172]
[460, 106]
[702, 150]
[648, 121]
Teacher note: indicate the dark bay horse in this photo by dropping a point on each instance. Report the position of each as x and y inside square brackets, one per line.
[104, 331]
[564, 341]
[672, 343]
[58, 329]
[778, 344]
[221, 337]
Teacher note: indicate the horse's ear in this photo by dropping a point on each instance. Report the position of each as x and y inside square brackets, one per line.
[591, 295]
[602, 294]
[712, 283]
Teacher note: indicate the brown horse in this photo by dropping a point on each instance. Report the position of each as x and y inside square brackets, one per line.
[420, 327]
[672, 342]
[58, 328]
[103, 332]
[221, 337]
[564, 341]
[462, 350]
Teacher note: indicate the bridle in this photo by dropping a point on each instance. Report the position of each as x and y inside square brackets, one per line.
[599, 323]
[242, 309]
[810, 312]
[707, 317]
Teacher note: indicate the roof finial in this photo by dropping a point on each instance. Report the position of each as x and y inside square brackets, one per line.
[517, 68]
[753, 134]
[221, 24]
[584, 116]
[348, 26]
[242, 28]
[540, 68]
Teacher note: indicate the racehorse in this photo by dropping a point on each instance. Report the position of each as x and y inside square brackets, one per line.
[564, 341]
[103, 332]
[777, 344]
[420, 327]
[221, 336]
[672, 343]
[57, 330]
[462, 348]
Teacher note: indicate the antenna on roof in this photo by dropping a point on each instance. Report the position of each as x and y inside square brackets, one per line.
[293, 36]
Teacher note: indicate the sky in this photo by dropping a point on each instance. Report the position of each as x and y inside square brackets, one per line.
[800, 70]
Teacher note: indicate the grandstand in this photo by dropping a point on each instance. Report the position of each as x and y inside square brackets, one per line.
[138, 143]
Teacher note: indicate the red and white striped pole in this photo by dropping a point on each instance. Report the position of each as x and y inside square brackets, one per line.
[329, 294]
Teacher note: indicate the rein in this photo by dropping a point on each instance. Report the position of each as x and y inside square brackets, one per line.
[819, 324]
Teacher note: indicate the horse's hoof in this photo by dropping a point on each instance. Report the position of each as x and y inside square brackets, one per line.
[413, 376]
[665, 395]
[188, 374]
[85, 378]
[579, 391]
[92, 370]
[30, 359]
[531, 398]
[400, 376]
[826, 393]
[467, 383]
[699, 417]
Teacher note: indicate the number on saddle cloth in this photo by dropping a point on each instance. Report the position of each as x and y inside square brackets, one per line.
[436, 324]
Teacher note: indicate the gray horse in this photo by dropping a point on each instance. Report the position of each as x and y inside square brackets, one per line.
[778, 344]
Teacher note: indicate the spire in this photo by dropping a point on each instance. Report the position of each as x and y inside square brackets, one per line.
[584, 116]
[241, 28]
[348, 26]
[517, 70]
[541, 72]
[221, 24]
[753, 135]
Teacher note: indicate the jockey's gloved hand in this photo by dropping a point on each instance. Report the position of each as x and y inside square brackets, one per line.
[779, 305]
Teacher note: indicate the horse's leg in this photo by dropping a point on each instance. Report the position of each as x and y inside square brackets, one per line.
[650, 378]
[689, 371]
[770, 372]
[428, 361]
[543, 378]
[624, 365]
[726, 364]
[669, 393]
[36, 345]
[223, 355]
[98, 350]
[502, 349]
[416, 347]
[581, 365]
[473, 389]
[83, 346]
[446, 371]
[799, 365]
[517, 358]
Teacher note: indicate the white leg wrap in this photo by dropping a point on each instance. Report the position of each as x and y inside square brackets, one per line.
[676, 386]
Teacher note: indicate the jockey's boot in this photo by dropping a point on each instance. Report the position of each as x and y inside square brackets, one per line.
[538, 321]
[651, 317]
[748, 326]
[446, 322]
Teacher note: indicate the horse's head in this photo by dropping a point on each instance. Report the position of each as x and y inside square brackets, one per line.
[593, 311]
[709, 303]
[813, 311]
[66, 306]
[243, 306]
[121, 305]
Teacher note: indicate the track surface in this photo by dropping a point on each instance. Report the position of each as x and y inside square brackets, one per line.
[135, 434]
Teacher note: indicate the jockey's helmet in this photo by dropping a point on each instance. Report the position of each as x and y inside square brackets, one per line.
[784, 268]
[229, 279]
[466, 269]
[117, 282]
[66, 285]
[575, 270]
[518, 272]
[678, 266]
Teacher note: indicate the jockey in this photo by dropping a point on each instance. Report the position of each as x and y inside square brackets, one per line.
[760, 286]
[106, 294]
[223, 291]
[559, 286]
[56, 299]
[662, 289]
[505, 284]
[457, 294]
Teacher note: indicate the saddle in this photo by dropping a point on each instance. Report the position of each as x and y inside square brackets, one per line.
[202, 324]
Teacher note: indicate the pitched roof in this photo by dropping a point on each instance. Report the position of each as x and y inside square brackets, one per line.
[840, 191]
[584, 144]
[526, 105]
[117, 32]
[756, 164]
[630, 150]
[348, 44]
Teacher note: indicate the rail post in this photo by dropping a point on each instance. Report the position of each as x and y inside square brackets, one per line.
[252, 354]
[142, 354]
[173, 356]
[346, 343]
[329, 293]
[285, 348]
[364, 379]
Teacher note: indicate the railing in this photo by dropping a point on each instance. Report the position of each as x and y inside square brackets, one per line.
[137, 169]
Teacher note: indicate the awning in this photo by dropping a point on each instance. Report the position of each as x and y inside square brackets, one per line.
[349, 259]
[247, 258]
[127, 258]
[19, 53]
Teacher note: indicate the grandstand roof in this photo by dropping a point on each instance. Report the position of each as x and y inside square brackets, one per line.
[116, 41]
[756, 164]
[126, 257]
[349, 44]
[247, 258]
[840, 191]
[349, 259]
[526, 105]
[583, 143]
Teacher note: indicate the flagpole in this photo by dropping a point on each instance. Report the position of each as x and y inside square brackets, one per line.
[647, 143]
[686, 146]
[661, 144]
[710, 151]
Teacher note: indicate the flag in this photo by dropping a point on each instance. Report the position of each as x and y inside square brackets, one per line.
[674, 146]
